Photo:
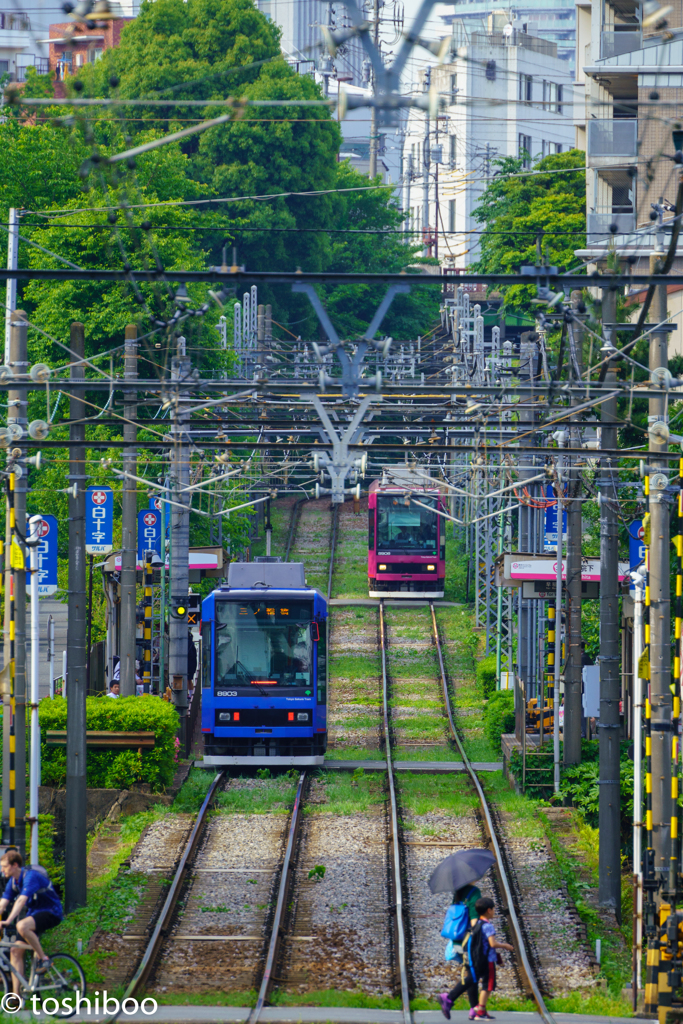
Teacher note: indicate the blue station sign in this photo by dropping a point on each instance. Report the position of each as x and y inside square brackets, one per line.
[149, 532]
[99, 520]
[47, 556]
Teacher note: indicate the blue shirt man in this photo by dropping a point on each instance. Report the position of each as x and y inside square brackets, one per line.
[28, 888]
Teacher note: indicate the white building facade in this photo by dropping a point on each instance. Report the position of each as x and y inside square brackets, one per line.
[629, 87]
[508, 95]
[301, 21]
[20, 47]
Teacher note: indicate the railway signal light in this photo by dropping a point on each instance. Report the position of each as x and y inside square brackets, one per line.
[179, 608]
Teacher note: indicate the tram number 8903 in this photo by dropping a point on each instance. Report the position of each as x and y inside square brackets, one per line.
[226, 693]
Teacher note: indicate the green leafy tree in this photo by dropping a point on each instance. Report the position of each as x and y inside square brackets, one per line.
[518, 211]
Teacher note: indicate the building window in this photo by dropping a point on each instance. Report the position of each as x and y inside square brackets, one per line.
[525, 150]
[79, 60]
[4, 67]
[490, 70]
[545, 148]
[451, 215]
[452, 151]
[558, 147]
[559, 101]
[525, 88]
[454, 79]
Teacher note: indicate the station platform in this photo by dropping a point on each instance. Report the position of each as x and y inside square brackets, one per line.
[324, 1015]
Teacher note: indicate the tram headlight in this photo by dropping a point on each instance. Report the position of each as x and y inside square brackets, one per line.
[224, 716]
[431, 568]
[382, 568]
[302, 716]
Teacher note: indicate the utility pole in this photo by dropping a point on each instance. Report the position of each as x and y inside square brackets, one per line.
[436, 190]
[426, 163]
[609, 862]
[12, 264]
[14, 818]
[374, 136]
[180, 545]
[573, 673]
[129, 517]
[75, 859]
[660, 606]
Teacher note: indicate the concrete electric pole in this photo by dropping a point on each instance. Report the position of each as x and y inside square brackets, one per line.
[426, 166]
[75, 858]
[660, 605]
[180, 543]
[609, 864]
[374, 136]
[574, 669]
[129, 516]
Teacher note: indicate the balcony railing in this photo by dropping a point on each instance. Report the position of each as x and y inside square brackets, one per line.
[612, 137]
[612, 44]
[41, 66]
[601, 226]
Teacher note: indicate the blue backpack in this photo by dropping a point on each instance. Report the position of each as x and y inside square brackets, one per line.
[456, 922]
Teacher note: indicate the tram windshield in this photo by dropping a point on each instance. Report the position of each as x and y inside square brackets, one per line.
[263, 644]
[402, 527]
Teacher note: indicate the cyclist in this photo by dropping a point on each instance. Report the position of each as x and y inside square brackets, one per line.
[32, 889]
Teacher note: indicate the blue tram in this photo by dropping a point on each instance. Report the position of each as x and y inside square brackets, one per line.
[264, 670]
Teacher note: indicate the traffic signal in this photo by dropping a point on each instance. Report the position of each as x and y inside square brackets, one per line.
[179, 607]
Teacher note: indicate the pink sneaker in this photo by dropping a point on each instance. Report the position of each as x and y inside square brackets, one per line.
[445, 1003]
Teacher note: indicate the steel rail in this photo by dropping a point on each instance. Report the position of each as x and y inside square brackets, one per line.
[394, 847]
[520, 947]
[165, 917]
[277, 928]
[333, 545]
[296, 507]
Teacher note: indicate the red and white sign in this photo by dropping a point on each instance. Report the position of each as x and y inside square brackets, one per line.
[99, 497]
[43, 529]
[539, 568]
[150, 519]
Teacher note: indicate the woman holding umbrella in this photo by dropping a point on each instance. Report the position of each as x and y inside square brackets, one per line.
[455, 874]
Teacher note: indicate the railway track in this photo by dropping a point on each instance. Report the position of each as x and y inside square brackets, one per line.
[506, 884]
[271, 861]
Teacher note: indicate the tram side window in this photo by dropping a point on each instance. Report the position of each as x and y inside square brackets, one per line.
[206, 654]
[371, 529]
[322, 663]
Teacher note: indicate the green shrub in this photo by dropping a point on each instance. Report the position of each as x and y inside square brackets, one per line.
[499, 716]
[486, 674]
[115, 769]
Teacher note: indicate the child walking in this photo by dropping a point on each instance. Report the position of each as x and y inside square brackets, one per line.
[484, 955]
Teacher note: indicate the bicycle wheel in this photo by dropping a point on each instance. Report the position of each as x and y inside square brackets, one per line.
[64, 980]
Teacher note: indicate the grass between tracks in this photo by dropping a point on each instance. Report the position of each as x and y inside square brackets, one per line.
[579, 869]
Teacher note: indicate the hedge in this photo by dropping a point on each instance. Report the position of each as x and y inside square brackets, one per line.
[115, 769]
[486, 674]
[499, 716]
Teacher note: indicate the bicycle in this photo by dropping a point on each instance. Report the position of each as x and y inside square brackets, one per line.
[63, 980]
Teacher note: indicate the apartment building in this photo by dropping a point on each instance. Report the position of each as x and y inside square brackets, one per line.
[508, 94]
[19, 48]
[554, 20]
[629, 88]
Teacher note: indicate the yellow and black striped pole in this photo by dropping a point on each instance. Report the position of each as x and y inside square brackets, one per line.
[550, 662]
[13, 549]
[148, 584]
[652, 960]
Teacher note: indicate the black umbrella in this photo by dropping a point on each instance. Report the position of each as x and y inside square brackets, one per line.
[460, 869]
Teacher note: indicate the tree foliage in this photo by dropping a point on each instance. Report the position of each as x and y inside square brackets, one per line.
[518, 211]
